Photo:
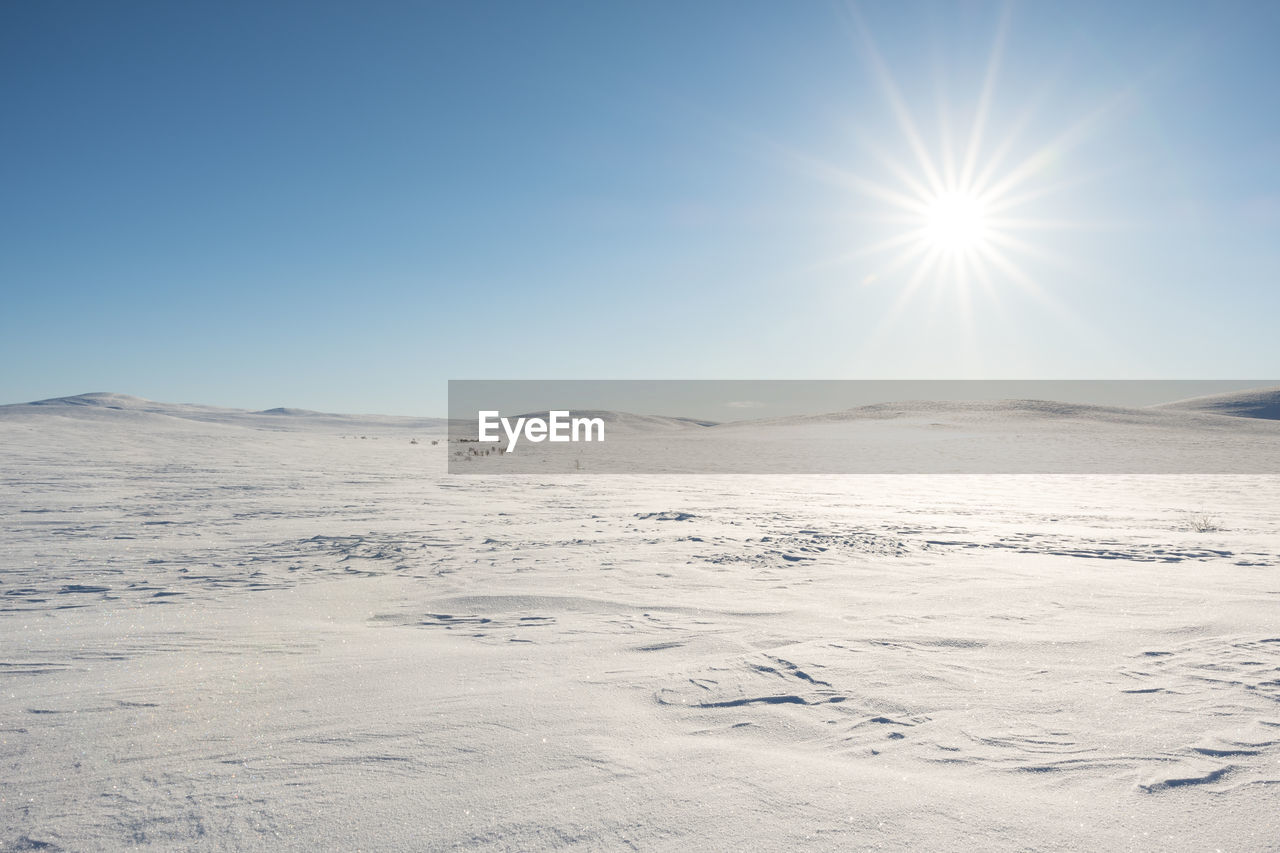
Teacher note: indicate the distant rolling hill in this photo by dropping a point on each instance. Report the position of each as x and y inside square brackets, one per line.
[116, 407]
[1256, 403]
[984, 411]
[629, 422]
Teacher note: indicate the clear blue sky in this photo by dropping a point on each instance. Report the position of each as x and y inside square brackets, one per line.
[339, 206]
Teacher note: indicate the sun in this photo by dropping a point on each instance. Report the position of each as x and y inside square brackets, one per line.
[956, 221]
[952, 210]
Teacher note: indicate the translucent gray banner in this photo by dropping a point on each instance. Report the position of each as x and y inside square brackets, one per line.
[589, 427]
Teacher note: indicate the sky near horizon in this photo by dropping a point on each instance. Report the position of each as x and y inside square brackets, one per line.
[340, 206]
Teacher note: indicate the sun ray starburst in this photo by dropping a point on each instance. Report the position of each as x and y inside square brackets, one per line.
[953, 205]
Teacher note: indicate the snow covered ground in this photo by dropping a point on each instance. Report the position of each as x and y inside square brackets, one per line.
[293, 631]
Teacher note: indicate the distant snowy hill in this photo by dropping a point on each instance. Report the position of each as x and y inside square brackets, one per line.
[974, 412]
[626, 421]
[122, 407]
[1257, 403]
[1001, 436]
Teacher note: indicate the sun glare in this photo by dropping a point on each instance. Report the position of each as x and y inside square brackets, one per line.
[956, 222]
[957, 210]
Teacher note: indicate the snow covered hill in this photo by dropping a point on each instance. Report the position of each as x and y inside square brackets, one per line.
[1260, 403]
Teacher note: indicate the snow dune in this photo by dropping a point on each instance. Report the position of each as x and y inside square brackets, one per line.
[1261, 403]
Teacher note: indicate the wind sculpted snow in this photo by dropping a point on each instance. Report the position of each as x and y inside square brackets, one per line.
[220, 632]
